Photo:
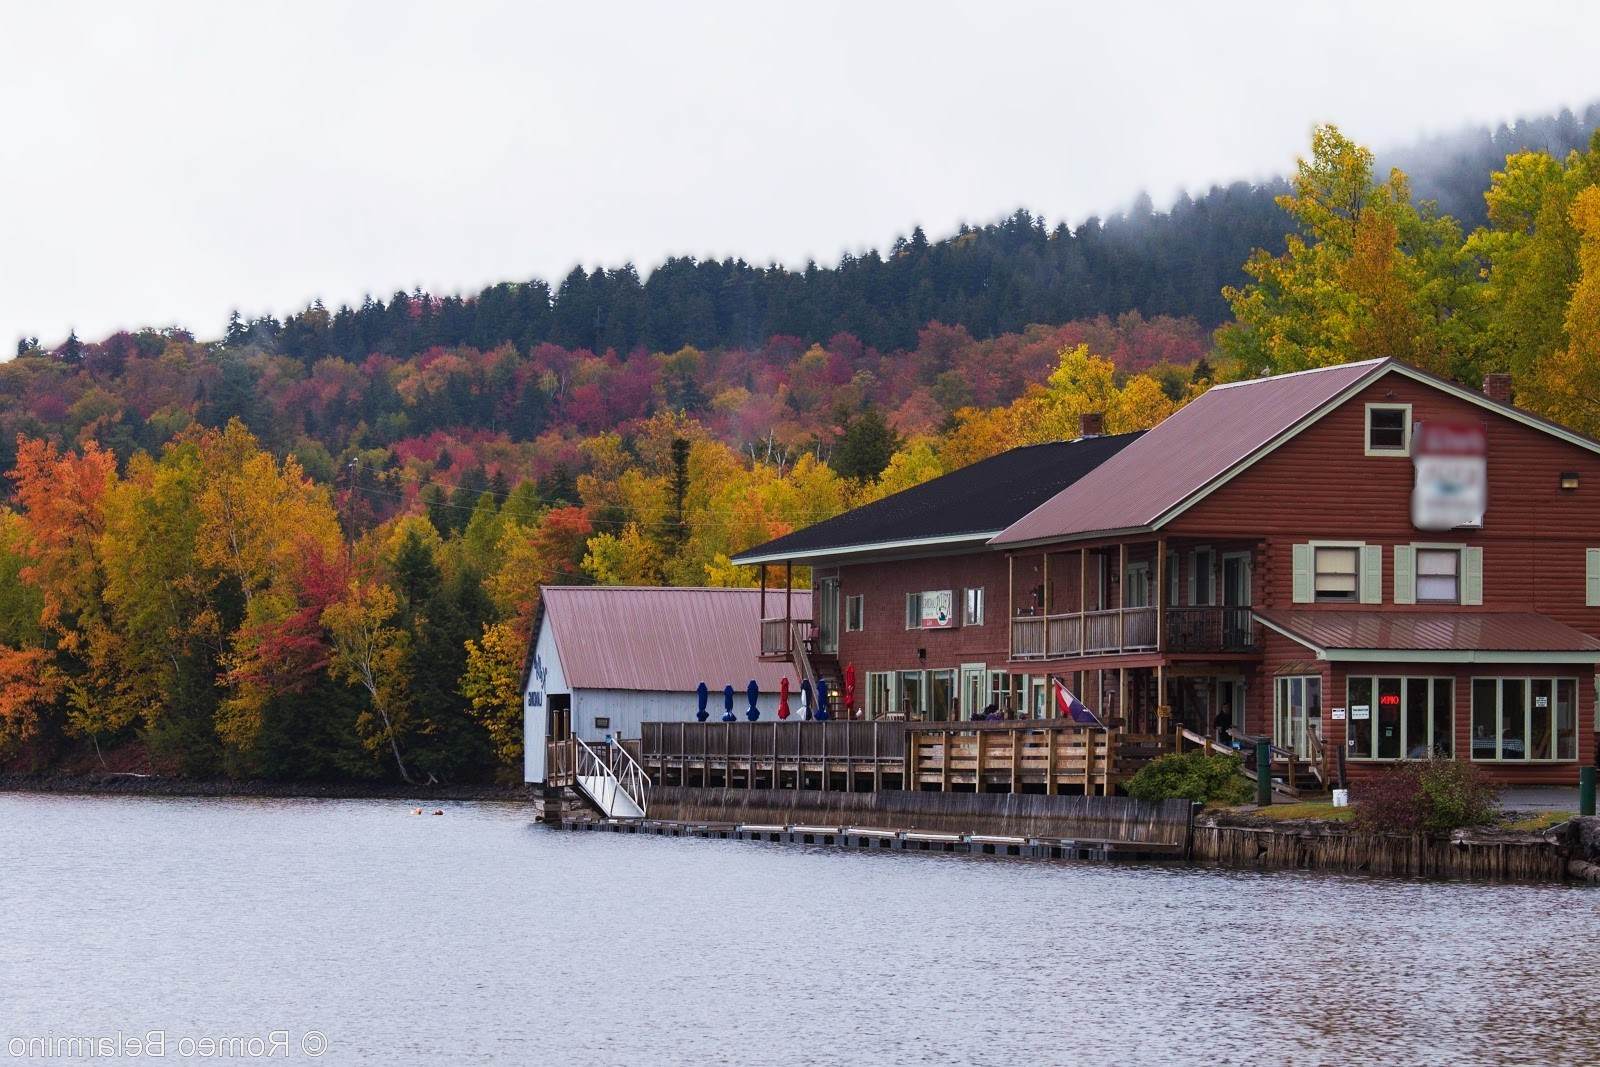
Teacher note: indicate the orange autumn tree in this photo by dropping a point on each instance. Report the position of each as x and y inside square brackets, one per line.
[62, 497]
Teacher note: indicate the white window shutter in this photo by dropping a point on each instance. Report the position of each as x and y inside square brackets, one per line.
[1591, 577]
[1405, 574]
[1304, 581]
[1372, 574]
[1472, 575]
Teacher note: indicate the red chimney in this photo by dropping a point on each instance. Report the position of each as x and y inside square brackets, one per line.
[1497, 387]
[1091, 424]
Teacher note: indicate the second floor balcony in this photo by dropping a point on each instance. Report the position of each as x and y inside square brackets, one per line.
[1122, 630]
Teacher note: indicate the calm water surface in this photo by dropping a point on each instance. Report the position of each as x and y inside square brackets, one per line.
[478, 937]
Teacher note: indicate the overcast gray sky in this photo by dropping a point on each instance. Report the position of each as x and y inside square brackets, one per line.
[166, 162]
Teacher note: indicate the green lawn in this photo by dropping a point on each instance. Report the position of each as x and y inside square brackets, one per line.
[1543, 820]
[1309, 809]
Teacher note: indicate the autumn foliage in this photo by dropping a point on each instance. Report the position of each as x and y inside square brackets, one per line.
[315, 549]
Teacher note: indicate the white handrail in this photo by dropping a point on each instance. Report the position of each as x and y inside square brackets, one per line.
[610, 785]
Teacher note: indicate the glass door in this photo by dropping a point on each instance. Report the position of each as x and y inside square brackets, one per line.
[974, 687]
[827, 613]
[1297, 710]
[1236, 600]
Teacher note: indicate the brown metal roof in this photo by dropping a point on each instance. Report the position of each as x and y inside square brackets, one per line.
[1430, 631]
[1185, 453]
[656, 638]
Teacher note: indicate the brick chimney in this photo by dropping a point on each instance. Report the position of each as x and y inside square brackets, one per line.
[1497, 387]
[1091, 424]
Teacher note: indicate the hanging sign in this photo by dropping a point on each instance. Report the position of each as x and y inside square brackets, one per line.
[1452, 475]
[938, 609]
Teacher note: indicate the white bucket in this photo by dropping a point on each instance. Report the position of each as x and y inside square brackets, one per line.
[1341, 798]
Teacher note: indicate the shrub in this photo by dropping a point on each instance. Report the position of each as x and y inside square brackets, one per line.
[1195, 776]
[1427, 796]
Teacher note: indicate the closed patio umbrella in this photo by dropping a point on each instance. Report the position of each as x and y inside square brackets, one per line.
[783, 697]
[727, 705]
[703, 695]
[805, 699]
[849, 690]
[822, 699]
[752, 691]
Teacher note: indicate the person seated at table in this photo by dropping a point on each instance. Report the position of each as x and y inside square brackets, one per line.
[991, 713]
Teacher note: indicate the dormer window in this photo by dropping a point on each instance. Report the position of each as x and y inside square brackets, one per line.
[1388, 430]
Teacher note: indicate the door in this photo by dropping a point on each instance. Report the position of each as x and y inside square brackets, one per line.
[1229, 697]
[827, 615]
[1236, 622]
[974, 688]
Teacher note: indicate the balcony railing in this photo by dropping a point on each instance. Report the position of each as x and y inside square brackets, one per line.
[1118, 630]
[780, 637]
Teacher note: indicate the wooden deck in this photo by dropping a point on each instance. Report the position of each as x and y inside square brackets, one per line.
[1041, 756]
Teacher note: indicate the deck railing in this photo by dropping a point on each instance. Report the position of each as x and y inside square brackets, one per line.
[1051, 755]
[1117, 630]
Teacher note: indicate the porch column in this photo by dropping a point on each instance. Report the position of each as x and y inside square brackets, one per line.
[788, 605]
[763, 568]
[1011, 605]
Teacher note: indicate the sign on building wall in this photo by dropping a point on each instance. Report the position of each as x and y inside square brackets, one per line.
[1452, 475]
[938, 609]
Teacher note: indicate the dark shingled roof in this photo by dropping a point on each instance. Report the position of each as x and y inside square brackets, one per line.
[975, 501]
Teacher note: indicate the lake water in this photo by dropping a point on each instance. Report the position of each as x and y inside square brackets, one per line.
[479, 937]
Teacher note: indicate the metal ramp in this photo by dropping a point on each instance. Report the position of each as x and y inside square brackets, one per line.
[612, 779]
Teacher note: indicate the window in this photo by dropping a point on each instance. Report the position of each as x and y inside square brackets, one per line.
[1172, 580]
[855, 613]
[913, 611]
[1438, 576]
[911, 691]
[1400, 718]
[1524, 719]
[1388, 430]
[973, 613]
[1336, 572]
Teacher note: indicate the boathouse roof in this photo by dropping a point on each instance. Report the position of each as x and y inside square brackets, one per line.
[969, 505]
[661, 639]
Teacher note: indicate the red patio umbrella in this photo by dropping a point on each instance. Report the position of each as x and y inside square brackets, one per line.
[849, 690]
[783, 697]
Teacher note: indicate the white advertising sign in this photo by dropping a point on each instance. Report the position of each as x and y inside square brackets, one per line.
[1452, 475]
[938, 609]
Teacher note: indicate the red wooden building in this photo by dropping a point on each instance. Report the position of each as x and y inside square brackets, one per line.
[1364, 557]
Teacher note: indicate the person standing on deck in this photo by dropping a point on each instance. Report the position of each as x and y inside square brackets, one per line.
[1224, 725]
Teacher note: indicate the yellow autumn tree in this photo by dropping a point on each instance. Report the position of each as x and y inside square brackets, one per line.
[1565, 385]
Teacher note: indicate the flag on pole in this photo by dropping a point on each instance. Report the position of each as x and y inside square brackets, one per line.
[1070, 707]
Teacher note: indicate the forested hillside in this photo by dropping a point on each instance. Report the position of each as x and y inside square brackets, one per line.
[314, 549]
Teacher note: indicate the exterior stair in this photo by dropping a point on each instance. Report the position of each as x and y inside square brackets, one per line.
[612, 780]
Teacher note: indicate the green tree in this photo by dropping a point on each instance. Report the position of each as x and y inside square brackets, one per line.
[865, 446]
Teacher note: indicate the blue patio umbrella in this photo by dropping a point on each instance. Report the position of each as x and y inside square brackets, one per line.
[752, 691]
[702, 694]
[727, 704]
[807, 701]
[822, 699]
